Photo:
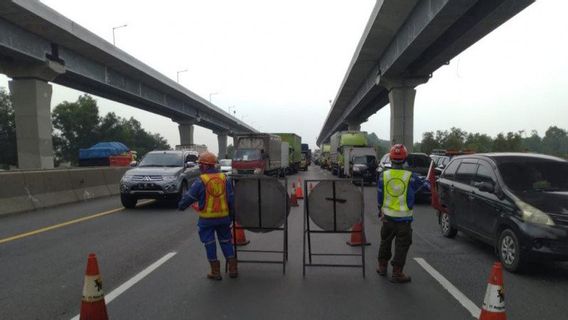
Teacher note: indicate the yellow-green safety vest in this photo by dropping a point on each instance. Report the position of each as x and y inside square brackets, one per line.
[395, 192]
[216, 204]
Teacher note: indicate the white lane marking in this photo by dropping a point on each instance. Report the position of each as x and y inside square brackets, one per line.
[455, 292]
[128, 284]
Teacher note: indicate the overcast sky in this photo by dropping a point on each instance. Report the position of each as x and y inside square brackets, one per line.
[280, 62]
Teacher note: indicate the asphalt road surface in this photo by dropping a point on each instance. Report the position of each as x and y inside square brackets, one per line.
[153, 267]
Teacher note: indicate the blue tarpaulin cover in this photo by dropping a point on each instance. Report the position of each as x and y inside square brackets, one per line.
[103, 150]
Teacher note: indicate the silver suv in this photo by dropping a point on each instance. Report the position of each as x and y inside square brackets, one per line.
[160, 175]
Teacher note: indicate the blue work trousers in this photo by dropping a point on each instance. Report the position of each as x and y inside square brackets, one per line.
[207, 229]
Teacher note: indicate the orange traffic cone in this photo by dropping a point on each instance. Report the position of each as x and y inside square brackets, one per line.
[293, 200]
[358, 236]
[299, 192]
[93, 305]
[494, 303]
[239, 235]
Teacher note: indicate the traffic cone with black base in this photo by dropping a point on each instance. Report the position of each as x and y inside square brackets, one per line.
[93, 305]
[239, 238]
[494, 302]
[358, 236]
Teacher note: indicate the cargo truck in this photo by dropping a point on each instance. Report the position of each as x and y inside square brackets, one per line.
[295, 143]
[306, 149]
[324, 161]
[257, 153]
[344, 147]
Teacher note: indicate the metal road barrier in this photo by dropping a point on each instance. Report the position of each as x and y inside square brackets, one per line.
[334, 206]
[262, 205]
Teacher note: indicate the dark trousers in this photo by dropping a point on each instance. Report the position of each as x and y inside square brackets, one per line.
[401, 233]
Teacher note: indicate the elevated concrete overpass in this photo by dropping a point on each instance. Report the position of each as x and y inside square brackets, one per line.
[38, 45]
[404, 42]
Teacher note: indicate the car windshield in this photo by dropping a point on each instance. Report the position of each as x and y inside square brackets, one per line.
[225, 162]
[247, 155]
[535, 175]
[162, 160]
[417, 161]
[368, 160]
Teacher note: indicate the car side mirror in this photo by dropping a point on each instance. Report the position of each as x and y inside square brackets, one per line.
[133, 163]
[190, 164]
[486, 187]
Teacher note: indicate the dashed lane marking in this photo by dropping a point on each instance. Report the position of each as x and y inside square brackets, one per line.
[455, 292]
[67, 223]
[134, 280]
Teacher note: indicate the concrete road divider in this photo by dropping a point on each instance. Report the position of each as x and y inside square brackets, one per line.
[14, 194]
[27, 190]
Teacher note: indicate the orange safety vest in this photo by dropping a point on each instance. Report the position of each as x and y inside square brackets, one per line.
[216, 203]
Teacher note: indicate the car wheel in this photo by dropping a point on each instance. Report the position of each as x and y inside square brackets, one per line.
[509, 251]
[128, 202]
[446, 227]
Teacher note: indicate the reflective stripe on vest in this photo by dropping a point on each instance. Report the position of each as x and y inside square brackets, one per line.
[395, 192]
[216, 204]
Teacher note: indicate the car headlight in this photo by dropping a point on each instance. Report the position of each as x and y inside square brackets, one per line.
[534, 215]
[257, 171]
[169, 178]
[126, 178]
[356, 169]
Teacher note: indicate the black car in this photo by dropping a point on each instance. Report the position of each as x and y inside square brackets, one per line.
[365, 167]
[516, 202]
[418, 163]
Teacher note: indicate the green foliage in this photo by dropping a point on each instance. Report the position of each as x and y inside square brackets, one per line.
[554, 142]
[230, 151]
[9, 154]
[79, 126]
[381, 146]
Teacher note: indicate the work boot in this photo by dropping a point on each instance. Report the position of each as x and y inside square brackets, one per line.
[215, 273]
[382, 268]
[233, 270]
[398, 276]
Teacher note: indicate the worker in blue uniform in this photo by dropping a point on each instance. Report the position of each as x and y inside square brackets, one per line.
[213, 194]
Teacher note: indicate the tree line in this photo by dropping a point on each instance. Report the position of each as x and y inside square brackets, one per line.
[554, 142]
[77, 125]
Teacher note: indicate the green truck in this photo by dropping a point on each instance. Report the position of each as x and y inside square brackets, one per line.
[324, 160]
[345, 147]
[295, 145]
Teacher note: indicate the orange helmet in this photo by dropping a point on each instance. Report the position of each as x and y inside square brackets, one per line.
[398, 152]
[207, 158]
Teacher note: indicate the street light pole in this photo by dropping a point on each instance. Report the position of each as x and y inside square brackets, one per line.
[177, 74]
[212, 94]
[232, 107]
[113, 37]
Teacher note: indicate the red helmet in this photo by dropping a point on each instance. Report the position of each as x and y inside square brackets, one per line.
[207, 158]
[398, 152]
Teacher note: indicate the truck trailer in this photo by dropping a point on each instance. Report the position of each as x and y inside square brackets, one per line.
[344, 146]
[257, 153]
[295, 143]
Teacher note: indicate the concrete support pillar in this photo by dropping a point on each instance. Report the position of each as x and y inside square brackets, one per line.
[186, 132]
[32, 106]
[353, 126]
[222, 139]
[402, 116]
[401, 98]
